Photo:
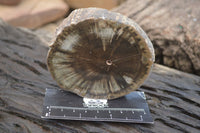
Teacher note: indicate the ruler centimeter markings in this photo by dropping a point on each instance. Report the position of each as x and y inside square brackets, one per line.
[95, 117]
[97, 109]
[63, 105]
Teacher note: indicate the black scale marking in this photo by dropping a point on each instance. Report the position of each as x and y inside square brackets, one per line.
[59, 104]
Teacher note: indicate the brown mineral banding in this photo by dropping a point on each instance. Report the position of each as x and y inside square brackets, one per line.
[100, 54]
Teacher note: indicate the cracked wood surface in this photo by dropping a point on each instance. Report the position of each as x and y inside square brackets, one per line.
[173, 96]
[173, 26]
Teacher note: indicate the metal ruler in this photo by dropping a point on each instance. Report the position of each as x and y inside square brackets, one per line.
[59, 104]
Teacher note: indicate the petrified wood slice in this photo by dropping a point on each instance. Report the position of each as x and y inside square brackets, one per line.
[100, 54]
[173, 96]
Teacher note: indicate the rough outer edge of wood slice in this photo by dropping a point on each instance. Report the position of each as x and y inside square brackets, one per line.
[81, 15]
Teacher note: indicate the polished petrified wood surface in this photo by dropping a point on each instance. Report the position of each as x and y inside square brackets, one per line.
[100, 54]
[173, 96]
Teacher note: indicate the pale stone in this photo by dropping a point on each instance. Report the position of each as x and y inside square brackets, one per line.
[10, 2]
[107, 4]
[34, 13]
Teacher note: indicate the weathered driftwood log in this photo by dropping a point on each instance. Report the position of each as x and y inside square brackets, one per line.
[173, 96]
[173, 27]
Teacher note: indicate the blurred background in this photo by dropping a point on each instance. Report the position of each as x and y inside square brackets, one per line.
[173, 26]
[43, 16]
[35, 13]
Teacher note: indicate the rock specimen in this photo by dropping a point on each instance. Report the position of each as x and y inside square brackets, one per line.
[173, 96]
[100, 54]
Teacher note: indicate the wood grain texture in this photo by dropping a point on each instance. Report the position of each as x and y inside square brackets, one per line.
[173, 27]
[173, 96]
[100, 54]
